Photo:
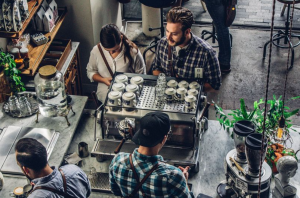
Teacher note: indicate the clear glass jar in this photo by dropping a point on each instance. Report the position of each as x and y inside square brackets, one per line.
[50, 91]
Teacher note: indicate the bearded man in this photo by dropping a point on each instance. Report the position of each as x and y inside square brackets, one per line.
[182, 54]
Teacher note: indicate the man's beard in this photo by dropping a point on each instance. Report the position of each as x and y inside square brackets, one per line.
[179, 42]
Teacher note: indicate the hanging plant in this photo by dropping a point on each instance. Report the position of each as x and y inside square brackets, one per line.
[8, 66]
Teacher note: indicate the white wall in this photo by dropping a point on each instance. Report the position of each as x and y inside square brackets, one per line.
[83, 23]
[104, 12]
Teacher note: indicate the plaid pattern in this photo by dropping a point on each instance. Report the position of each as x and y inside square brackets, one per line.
[199, 54]
[165, 181]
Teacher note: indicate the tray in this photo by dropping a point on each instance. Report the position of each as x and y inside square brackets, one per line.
[31, 98]
[100, 183]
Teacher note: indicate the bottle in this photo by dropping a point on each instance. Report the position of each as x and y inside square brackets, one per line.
[50, 92]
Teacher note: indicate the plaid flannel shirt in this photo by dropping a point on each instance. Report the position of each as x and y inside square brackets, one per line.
[199, 54]
[165, 181]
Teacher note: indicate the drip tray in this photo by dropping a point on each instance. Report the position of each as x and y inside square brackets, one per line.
[100, 183]
[10, 136]
[104, 149]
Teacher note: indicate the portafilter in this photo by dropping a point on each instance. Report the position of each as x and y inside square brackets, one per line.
[125, 128]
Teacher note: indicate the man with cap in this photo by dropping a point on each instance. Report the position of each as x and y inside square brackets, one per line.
[143, 173]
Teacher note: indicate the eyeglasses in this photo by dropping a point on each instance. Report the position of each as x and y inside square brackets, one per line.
[181, 56]
[169, 134]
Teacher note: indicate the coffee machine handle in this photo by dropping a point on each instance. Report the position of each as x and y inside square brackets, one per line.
[204, 111]
[119, 146]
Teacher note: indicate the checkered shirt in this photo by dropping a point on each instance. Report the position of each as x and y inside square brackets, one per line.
[199, 54]
[165, 181]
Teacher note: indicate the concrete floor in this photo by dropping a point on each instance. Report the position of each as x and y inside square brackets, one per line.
[249, 71]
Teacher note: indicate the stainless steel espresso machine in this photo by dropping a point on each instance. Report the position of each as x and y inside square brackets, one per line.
[120, 121]
[242, 165]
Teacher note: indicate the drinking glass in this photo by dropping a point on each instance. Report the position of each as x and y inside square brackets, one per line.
[161, 80]
[25, 106]
[14, 105]
[159, 92]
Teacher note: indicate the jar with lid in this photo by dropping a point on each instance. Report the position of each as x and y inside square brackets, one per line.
[50, 92]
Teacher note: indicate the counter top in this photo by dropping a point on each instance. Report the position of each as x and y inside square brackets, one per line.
[59, 124]
[214, 146]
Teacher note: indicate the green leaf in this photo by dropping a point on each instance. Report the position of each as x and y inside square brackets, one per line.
[243, 108]
[289, 114]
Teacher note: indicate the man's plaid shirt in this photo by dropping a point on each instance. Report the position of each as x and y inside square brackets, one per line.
[165, 181]
[199, 54]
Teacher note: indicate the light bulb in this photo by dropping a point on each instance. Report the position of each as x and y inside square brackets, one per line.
[281, 126]
[279, 133]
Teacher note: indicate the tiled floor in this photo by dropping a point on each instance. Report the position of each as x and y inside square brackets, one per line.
[248, 76]
[249, 13]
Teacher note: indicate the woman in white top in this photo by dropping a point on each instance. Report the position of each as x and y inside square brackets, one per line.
[122, 55]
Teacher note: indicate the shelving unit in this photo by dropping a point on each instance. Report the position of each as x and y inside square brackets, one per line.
[36, 53]
[33, 6]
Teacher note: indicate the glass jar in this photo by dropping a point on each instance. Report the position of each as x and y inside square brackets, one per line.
[50, 92]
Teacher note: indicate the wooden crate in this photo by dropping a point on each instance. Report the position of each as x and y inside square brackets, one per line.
[57, 53]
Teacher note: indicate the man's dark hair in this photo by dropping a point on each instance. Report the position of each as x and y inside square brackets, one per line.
[31, 154]
[181, 15]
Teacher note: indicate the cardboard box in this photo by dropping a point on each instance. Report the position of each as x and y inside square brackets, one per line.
[38, 18]
[53, 7]
[45, 5]
[48, 21]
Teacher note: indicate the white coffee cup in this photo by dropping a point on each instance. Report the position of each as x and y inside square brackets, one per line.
[190, 102]
[193, 92]
[183, 84]
[194, 85]
[114, 98]
[138, 80]
[170, 94]
[129, 99]
[118, 87]
[121, 78]
[172, 84]
[181, 93]
[134, 89]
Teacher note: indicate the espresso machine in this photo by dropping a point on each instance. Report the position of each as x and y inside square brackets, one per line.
[242, 165]
[120, 119]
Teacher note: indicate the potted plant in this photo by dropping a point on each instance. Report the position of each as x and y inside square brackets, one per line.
[10, 79]
[274, 112]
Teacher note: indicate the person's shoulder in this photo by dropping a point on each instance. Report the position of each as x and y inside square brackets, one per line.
[134, 51]
[163, 42]
[198, 42]
[95, 49]
[120, 157]
[71, 168]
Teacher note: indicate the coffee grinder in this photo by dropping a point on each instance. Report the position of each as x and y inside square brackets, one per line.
[242, 165]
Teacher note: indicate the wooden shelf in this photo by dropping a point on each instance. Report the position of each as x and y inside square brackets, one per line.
[36, 53]
[33, 6]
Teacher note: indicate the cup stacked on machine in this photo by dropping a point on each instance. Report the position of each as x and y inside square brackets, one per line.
[124, 94]
[177, 92]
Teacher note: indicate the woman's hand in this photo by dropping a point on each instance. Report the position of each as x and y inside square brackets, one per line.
[107, 80]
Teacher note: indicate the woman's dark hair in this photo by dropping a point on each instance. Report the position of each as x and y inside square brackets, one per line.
[110, 36]
[31, 154]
